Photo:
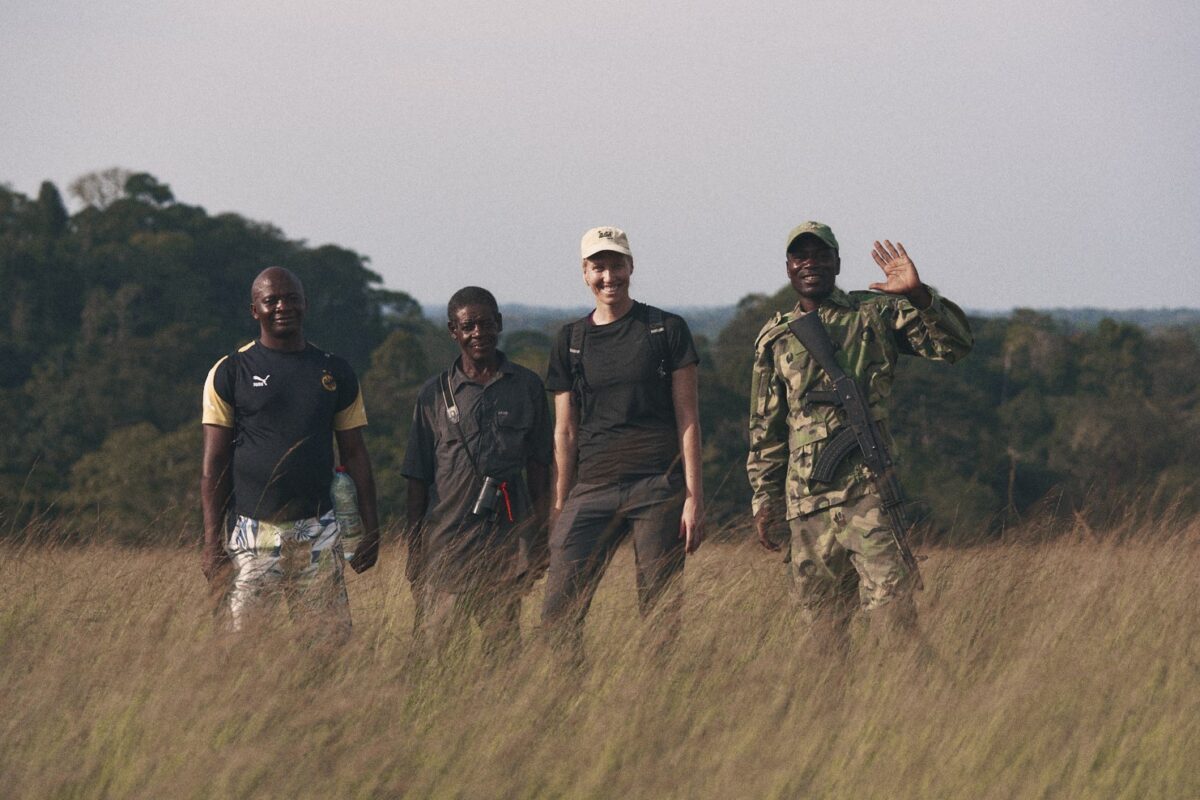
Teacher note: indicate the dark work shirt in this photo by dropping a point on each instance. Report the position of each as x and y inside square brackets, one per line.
[284, 407]
[504, 424]
[627, 426]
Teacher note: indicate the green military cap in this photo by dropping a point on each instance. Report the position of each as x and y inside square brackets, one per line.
[817, 229]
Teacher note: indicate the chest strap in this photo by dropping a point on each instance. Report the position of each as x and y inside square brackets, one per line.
[657, 328]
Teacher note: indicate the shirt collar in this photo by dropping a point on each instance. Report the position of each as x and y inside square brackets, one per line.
[839, 298]
[836, 298]
[458, 377]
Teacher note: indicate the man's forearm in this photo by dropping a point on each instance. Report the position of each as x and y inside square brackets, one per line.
[920, 297]
[214, 502]
[216, 483]
[216, 490]
[358, 467]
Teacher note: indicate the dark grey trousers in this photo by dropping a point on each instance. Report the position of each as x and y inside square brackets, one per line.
[594, 521]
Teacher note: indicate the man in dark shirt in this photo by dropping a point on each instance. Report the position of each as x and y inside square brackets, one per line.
[271, 412]
[473, 548]
[626, 445]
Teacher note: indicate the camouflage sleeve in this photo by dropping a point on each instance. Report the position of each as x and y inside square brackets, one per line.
[766, 465]
[940, 332]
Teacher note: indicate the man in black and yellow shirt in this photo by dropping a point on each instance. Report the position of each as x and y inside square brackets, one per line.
[271, 413]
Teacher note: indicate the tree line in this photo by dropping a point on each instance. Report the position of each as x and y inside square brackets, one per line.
[115, 313]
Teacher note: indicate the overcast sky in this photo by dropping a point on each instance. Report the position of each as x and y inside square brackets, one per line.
[1027, 153]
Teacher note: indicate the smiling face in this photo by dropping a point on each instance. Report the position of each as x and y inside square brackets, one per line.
[476, 328]
[277, 303]
[607, 274]
[812, 267]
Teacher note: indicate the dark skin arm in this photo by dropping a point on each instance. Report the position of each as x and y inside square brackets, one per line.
[216, 486]
[353, 453]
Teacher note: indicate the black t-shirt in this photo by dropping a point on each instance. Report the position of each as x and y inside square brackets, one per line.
[627, 422]
[284, 407]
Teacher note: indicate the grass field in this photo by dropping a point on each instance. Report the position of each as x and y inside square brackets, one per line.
[1050, 667]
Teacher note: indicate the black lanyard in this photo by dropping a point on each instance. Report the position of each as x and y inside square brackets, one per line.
[456, 420]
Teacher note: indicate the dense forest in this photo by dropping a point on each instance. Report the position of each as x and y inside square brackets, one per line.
[114, 314]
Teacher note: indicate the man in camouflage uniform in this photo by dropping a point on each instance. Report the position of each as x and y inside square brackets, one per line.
[842, 552]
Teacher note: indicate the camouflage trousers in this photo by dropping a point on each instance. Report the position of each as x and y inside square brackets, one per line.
[298, 562]
[845, 556]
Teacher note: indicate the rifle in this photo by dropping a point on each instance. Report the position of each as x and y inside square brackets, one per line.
[860, 433]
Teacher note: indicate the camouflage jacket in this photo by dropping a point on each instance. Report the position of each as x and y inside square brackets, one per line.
[787, 436]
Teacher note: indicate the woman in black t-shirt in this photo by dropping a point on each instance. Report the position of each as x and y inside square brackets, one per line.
[626, 445]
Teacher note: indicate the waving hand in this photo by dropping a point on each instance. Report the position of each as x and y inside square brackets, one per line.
[900, 273]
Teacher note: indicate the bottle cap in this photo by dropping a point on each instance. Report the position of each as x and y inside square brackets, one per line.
[339, 468]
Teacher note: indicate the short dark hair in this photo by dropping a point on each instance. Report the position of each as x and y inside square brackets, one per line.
[471, 296]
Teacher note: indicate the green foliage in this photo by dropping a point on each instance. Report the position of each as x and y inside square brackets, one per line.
[398, 368]
[530, 349]
[140, 485]
[733, 353]
[113, 316]
[1038, 410]
[145, 187]
[51, 210]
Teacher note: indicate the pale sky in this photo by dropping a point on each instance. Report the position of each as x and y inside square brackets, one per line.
[1027, 153]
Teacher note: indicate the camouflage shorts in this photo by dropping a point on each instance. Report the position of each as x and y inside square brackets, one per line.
[844, 551]
[299, 562]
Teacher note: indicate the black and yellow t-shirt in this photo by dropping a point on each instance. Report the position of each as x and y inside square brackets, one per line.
[284, 407]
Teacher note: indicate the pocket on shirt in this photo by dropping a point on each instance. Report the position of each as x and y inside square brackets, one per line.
[512, 429]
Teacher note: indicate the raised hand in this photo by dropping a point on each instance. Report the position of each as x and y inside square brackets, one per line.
[901, 273]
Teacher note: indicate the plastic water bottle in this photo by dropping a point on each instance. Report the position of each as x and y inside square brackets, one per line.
[345, 509]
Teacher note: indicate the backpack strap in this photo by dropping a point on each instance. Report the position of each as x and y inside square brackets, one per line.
[575, 336]
[448, 397]
[655, 324]
[658, 342]
[455, 417]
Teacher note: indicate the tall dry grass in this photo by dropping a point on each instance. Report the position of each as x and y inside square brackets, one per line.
[1059, 668]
